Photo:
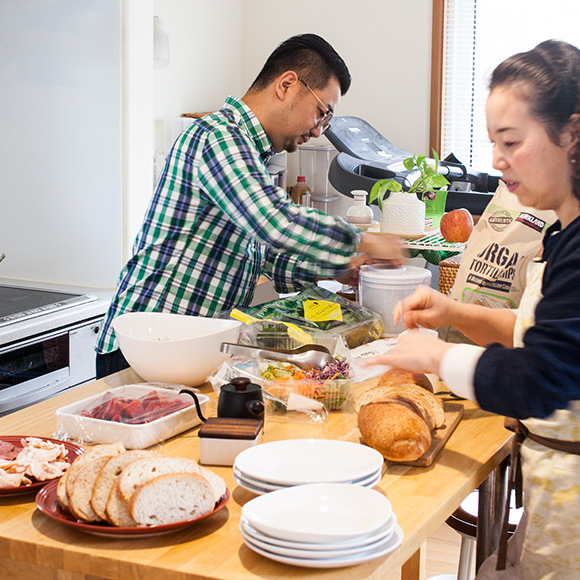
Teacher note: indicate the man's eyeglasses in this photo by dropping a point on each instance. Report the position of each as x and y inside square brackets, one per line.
[324, 122]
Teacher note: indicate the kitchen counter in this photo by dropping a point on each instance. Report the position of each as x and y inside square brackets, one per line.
[34, 546]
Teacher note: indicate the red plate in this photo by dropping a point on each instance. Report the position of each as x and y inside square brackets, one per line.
[73, 451]
[47, 503]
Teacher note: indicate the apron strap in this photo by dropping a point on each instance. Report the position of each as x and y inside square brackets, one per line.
[515, 481]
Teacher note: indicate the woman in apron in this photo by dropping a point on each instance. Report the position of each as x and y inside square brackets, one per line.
[528, 368]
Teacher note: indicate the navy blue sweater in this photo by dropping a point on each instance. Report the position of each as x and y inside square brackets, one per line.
[543, 376]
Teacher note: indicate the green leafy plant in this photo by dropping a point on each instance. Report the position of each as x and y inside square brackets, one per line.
[429, 179]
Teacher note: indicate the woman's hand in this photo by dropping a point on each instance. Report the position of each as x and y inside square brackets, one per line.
[414, 352]
[425, 307]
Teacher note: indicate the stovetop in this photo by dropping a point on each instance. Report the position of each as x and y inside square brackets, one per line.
[19, 303]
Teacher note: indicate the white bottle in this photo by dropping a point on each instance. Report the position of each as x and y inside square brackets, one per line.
[359, 212]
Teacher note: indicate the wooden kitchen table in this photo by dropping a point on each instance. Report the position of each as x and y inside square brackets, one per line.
[33, 546]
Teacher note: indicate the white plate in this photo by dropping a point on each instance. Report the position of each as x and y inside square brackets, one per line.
[300, 461]
[394, 542]
[319, 512]
[354, 543]
[265, 487]
[317, 554]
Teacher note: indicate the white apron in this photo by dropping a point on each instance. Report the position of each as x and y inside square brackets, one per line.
[550, 528]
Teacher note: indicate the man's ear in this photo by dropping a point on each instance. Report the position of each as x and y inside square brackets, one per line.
[287, 85]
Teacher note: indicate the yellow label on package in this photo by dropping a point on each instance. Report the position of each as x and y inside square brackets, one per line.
[293, 330]
[319, 310]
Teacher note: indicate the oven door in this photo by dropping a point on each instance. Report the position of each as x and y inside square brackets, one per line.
[33, 370]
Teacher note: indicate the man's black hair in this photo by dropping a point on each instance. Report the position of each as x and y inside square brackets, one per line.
[311, 57]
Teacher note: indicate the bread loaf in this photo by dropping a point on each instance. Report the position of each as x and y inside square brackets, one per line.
[396, 377]
[397, 417]
[395, 429]
[430, 406]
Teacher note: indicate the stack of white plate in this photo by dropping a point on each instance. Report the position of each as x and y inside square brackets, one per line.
[322, 525]
[282, 464]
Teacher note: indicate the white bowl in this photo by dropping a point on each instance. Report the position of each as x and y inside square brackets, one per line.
[173, 348]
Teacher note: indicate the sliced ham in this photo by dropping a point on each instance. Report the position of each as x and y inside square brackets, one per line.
[38, 459]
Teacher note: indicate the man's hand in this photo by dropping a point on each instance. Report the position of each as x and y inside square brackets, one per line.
[382, 247]
[351, 276]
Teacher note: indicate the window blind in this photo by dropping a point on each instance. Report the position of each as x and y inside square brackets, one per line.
[478, 35]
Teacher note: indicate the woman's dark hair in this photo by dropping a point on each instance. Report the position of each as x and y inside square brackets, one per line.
[311, 57]
[548, 79]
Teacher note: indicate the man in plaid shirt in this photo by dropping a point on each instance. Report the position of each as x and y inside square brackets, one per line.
[217, 221]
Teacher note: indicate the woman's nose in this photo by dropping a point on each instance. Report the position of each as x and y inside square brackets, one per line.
[498, 160]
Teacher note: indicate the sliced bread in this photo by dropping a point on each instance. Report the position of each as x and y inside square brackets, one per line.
[142, 471]
[68, 477]
[82, 489]
[117, 510]
[107, 478]
[170, 498]
[217, 482]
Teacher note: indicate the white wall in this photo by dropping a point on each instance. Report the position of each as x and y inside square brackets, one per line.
[217, 48]
[385, 43]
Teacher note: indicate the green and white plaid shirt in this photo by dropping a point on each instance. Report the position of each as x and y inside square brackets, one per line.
[217, 221]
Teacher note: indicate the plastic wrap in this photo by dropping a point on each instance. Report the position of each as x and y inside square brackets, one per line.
[138, 415]
[311, 314]
[305, 399]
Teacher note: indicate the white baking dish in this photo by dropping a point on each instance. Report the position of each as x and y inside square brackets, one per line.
[72, 425]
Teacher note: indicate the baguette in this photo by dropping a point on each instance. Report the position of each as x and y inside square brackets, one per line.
[170, 498]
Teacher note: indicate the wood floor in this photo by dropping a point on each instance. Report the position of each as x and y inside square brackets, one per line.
[442, 553]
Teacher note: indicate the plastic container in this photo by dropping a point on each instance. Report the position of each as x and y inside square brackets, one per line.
[301, 193]
[71, 424]
[358, 325]
[382, 286]
[359, 213]
[281, 395]
[314, 164]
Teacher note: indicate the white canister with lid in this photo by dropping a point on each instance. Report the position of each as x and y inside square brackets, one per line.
[381, 286]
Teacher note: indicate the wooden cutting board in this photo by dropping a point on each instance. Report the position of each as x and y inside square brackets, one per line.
[453, 414]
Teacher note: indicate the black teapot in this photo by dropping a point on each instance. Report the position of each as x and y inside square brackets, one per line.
[241, 399]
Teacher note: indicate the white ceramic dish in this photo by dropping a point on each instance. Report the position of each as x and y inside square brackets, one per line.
[174, 348]
[353, 543]
[388, 546]
[71, 424]
[320, 512]
[258, 486]
[317, 554]
[300, 461]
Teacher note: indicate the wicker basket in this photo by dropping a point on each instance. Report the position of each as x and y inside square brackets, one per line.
[447, 272]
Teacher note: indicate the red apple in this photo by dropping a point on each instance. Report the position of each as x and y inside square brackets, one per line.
[456, 225]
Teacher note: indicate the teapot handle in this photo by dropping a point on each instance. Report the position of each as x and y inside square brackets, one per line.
[255, 408]
[196, 401]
